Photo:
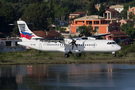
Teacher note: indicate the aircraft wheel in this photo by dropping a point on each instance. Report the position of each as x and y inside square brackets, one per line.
[78, 55]
[66, 55]
[114, 54]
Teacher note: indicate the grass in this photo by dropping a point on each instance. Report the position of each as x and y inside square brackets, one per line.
[39, 57]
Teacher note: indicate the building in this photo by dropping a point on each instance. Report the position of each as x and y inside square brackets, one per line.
[130, 10]
[77, 14]
[97, 6]
[100, 24]
[10, 45]
[126, 21]
[112, 14]
[118, 8]
[49, 34]
[119, 37]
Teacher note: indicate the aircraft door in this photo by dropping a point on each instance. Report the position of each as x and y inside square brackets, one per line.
[40, 46]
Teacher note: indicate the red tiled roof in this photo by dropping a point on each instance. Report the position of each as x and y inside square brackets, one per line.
[111, 10]
[119, 34]
[49, 34]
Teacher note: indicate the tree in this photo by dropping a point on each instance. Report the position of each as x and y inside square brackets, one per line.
[52, 12]
[101, 10]
[131, 15]
[92, 10]
[37, 13]
[123, 14]
[129, 30]
[7, 17]
[86, 30]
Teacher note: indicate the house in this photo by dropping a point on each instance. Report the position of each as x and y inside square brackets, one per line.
[118, 8]
[10, 45]
[49, 34]
[125, 21]
[77, 14]
[97, 6]
[130, 10]
[112, 14]
[119, 37]
[100, 24]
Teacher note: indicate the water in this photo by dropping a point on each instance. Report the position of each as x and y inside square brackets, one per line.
[68, 77]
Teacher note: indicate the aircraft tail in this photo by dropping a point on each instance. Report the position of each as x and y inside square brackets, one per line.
[25, 32]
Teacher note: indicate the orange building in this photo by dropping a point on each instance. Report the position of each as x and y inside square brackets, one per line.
[130, 10]
[100, 24]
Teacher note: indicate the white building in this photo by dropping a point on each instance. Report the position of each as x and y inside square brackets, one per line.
[10, 45]
[118, 8]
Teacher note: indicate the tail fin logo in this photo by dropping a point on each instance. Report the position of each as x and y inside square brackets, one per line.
[26, 35]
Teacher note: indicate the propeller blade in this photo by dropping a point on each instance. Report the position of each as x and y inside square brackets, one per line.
[73, 43]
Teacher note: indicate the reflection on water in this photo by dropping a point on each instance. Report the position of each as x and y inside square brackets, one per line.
[65, 77]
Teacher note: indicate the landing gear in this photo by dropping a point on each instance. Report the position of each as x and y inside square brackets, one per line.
[78, 55]
[66, 55]
[114, 54]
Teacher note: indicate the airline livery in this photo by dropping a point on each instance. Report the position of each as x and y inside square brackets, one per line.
[67, 45]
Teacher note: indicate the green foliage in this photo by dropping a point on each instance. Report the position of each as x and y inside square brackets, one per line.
[2, 58]
[83, 56]
[86, 30]
[62, 29]
[7, 16]
[131, 15]
[38, 14]
[125, 50]
[101, 10]
[129, 30]
[123, 14]
[37, 11]
[92, 10]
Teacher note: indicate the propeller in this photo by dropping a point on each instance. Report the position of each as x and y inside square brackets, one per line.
[73, 43]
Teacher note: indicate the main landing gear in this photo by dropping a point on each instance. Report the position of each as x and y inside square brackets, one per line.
[78, 55]
[66, 55]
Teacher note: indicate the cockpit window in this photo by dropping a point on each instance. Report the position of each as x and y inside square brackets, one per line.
[111, 43]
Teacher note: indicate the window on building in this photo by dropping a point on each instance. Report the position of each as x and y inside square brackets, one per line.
[8, 43]
[77, 30]
[96, 22]
[90, 22]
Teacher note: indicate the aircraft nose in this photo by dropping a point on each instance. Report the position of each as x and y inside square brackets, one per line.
[119, 47]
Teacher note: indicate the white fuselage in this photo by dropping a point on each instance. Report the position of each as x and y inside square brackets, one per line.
[82, 46]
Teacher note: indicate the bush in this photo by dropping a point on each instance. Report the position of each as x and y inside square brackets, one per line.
[2, 58]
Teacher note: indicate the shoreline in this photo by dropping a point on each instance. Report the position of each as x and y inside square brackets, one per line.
[35, 62]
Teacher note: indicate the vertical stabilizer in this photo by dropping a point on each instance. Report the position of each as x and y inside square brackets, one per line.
[25, 32]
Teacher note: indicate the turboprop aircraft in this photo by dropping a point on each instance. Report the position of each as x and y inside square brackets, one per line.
[67, 45]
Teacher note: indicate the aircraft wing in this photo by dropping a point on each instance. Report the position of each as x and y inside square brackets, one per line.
[101, 35]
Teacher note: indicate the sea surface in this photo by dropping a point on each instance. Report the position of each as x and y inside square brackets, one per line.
[68, 77]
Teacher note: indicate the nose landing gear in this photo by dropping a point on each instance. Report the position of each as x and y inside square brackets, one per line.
[114, 54]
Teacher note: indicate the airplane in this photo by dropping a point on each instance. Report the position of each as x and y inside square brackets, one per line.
[66, 45]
